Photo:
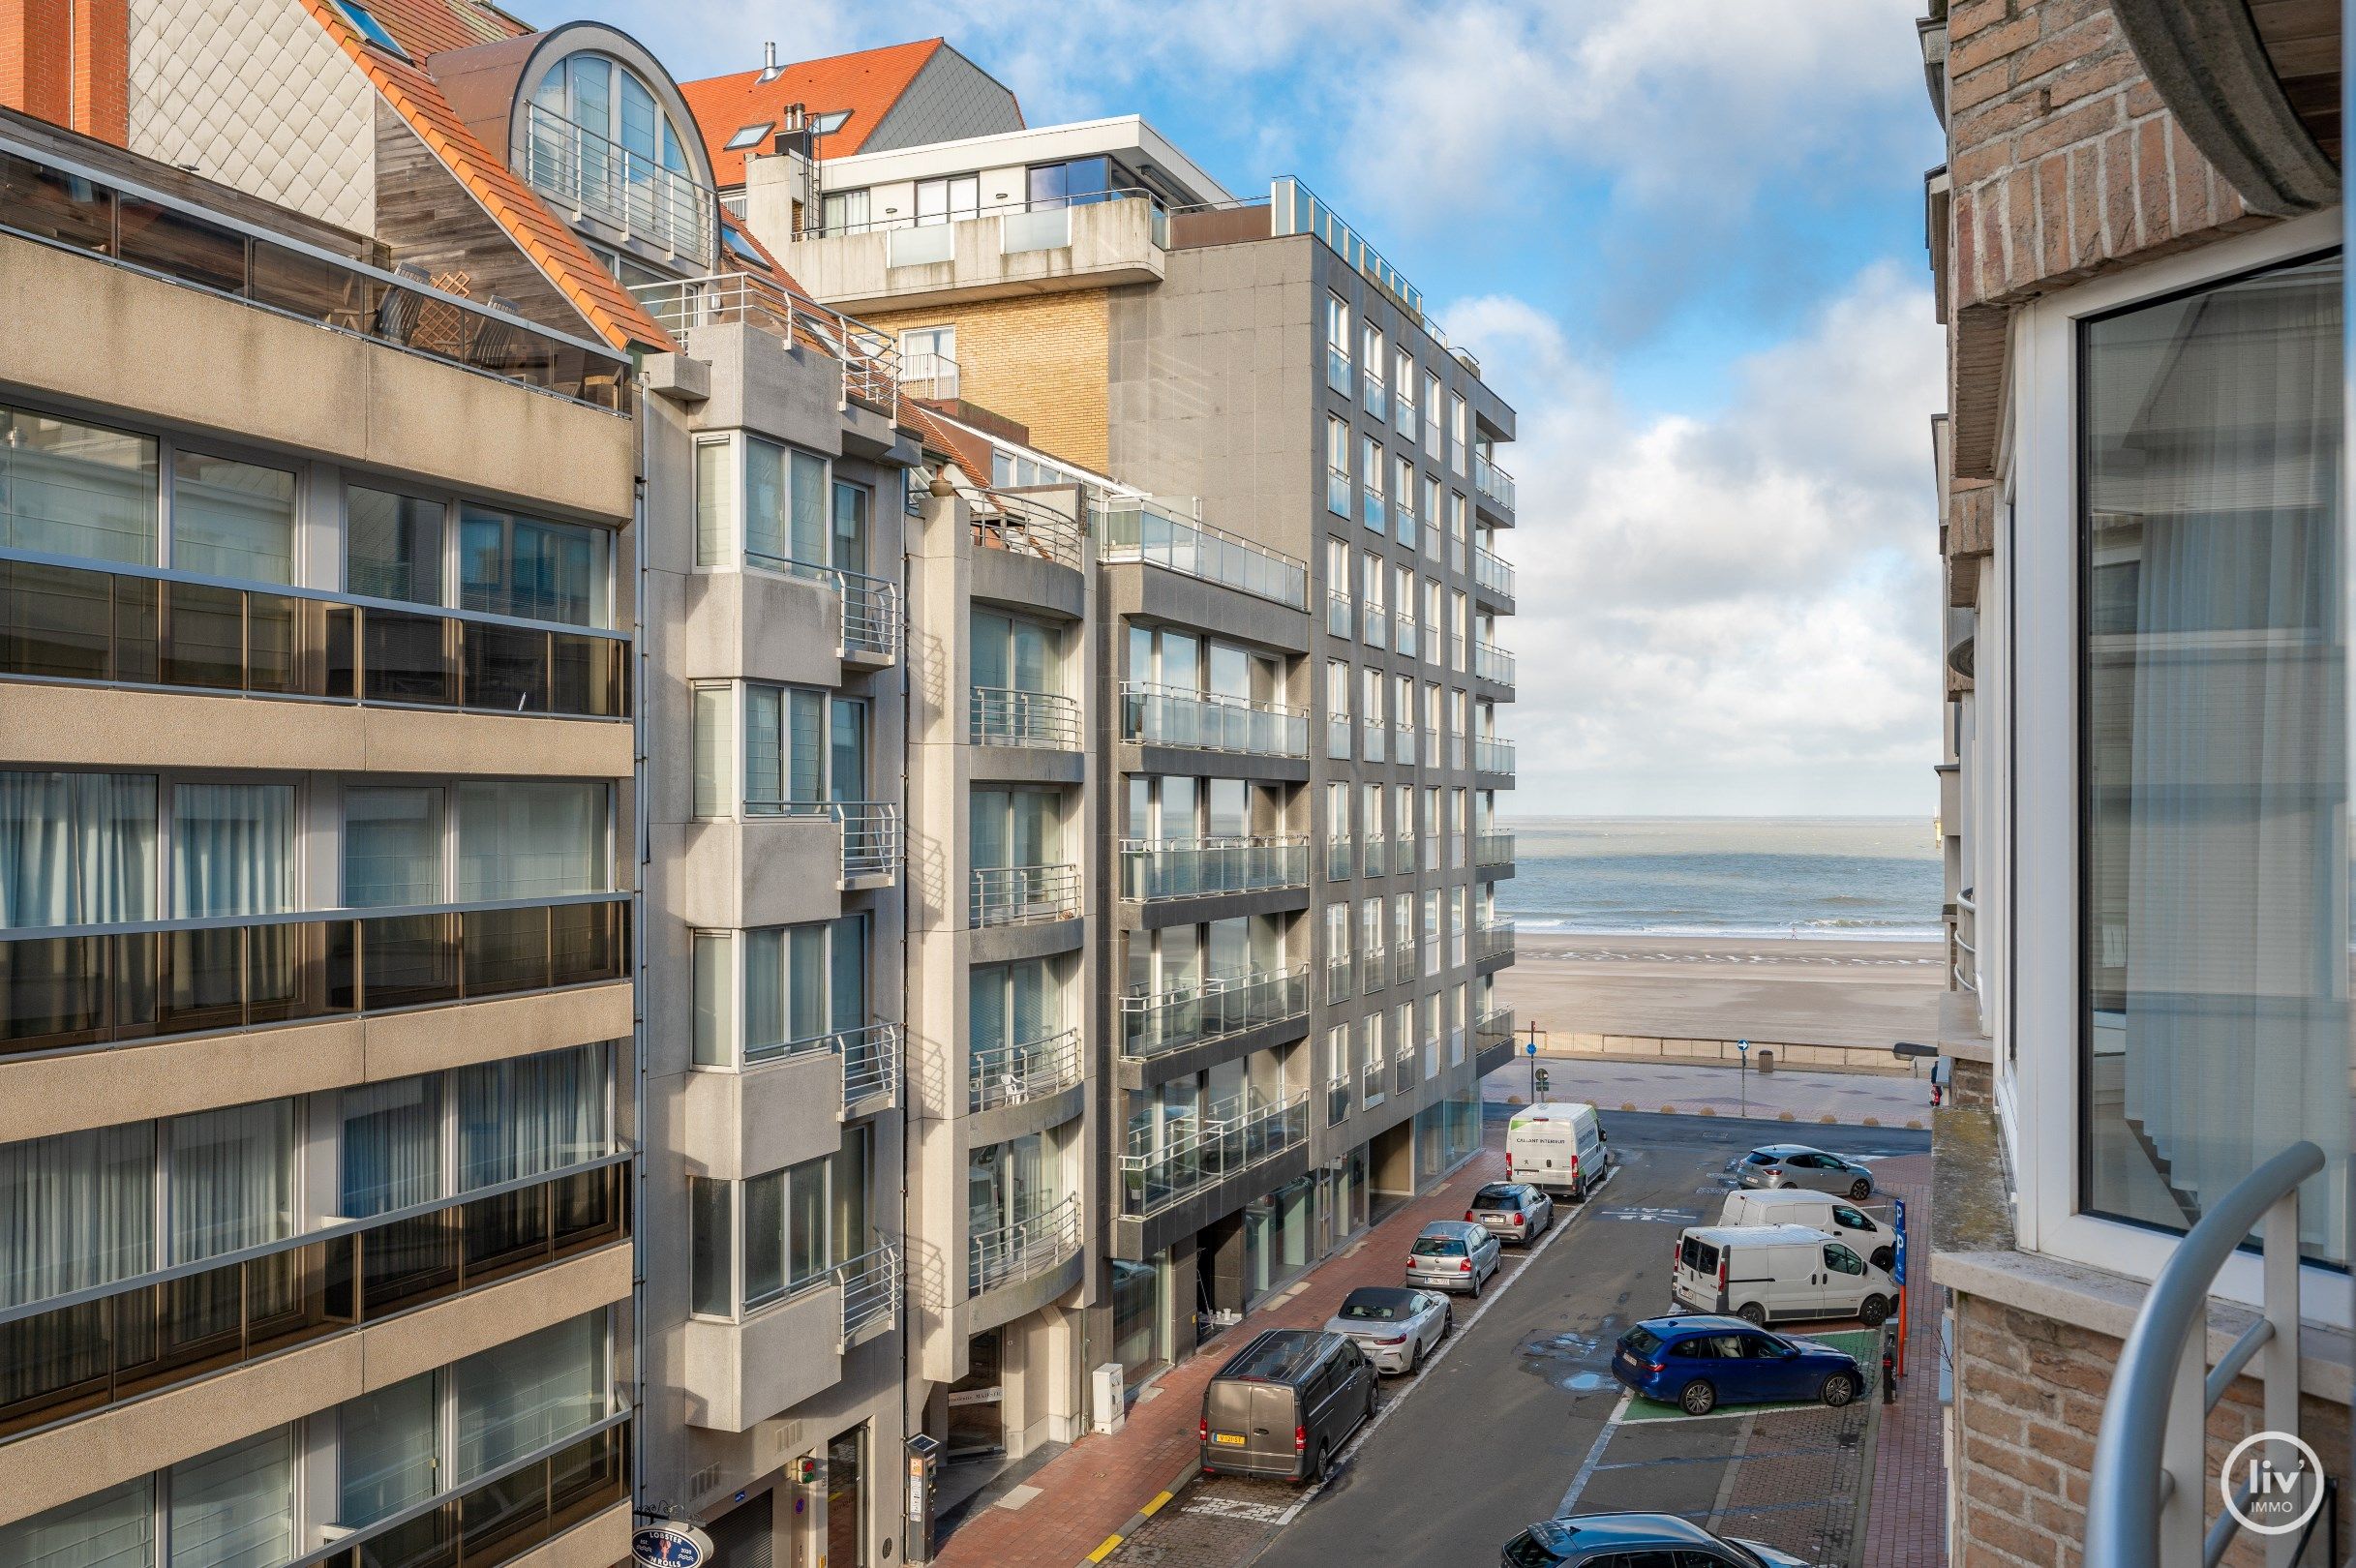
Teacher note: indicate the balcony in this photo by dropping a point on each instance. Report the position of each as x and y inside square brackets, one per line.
[1339, 979]
[1017, 248]
[73, 985]
[1338, 858]
[870, 359]
[870, 1293]
[1964, 967]
[870, 1069]
[1376, 621]
[1489, 662]
[1337, 737]
[1377, 395]
[1019, 1074]
[506, 1514]
[1202, 1153]
[1491, 940]
[1209, 721]
[1493, 1028]
[1157, 870]
[1338, 492]
[1373, 964]
[1023, 895]
[927, 375]
[1403, 522]
[1493, 483]
[74, 207]
[870, 835]
[1007, 716]
[1021, 526]
[1491, 755]
[629, 192]
[1492, 574]
[1337, 1099]
[1338, 373]
[1374, 742]
[1492, 846]
[136, 626]
[1024, 1249]
[114, 1342]
[1154, 1024]
[1375, 515]
[1378, 855]
[1375, 1080]
[1139, 530]
[1402, 962]
[1340, 616]
[872, 623]
[1403, 638]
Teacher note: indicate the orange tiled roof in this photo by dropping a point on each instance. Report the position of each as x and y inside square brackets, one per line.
[971, 452]
[866, 84]
[424, 28]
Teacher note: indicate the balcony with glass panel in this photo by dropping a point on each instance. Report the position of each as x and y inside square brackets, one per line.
[1156, 1023]
[1159, 534]
[1373, 964]
[860, 363]
[1194, 1156]
[1376, 623]
[1095, 239]
[1376, 516]
[1378, 855]
[1492, 847]
[1179, 716]
[1038, 720]
[1492, 663]
[1493, 942]
[1374, 742]
[1338, 373]
[1338, 858]
[1375, 1082]
[1159, 870]
[1022, 1072]
[1493, 1029]
[1339, 979]
[1340, 615]
[1491, 755]
[1494, 487]
[509, 1512]
[1492, 578]
[1022, 894]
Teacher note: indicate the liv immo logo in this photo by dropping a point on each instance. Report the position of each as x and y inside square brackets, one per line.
[2272, 1483]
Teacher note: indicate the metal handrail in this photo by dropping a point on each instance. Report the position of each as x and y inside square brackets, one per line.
[870, 1064]
[870, 1288]
[1211, 1150]
[1023, 1070]
[1211, 721]
[602, 178]
[870, 838]
[1012, 717]
[871, 358]
[1218, 1006]
[2144, 1503]
[1493, 571]
[1491, 662]
[1023, 1249]
[1000, 210]
[870, 605]
[1136, 529]
[1018, 524]
[1022, 894]
[1156, 869]
[925, 373]
[1492, 482]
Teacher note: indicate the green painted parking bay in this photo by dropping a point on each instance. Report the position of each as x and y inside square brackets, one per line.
[1865, 1345]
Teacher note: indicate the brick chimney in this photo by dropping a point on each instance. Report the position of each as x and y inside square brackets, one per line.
[69, 62]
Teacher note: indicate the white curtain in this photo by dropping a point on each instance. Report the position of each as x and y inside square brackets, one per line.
[114, 1528]
[528, 1394]
[76, 1209]
[392, 847]
[232, 849]
[392, 1146]
[77, 849]
[530, 1115]
[530, 840]
[231, 1181]
[235, 1507]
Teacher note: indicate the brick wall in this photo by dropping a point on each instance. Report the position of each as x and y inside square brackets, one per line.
[1038, 360]
[67, 62]
[2029, 1395]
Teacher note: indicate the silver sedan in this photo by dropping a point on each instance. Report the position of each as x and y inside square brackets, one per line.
[1795, 1165]
[1394, 1326]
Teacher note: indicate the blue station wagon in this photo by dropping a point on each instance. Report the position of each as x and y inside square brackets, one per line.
[1700, 1363]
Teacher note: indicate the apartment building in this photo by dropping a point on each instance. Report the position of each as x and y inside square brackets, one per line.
[1289, 493]
[2137, 246]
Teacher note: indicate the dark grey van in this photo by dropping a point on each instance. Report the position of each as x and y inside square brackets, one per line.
[1285, 1404]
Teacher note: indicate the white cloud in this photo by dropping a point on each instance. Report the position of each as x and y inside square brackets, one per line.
[1735, 613]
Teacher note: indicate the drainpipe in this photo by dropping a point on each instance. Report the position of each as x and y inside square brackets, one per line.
[640, 836]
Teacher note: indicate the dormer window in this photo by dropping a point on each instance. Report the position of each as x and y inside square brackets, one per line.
[751, 135]
[601, 142]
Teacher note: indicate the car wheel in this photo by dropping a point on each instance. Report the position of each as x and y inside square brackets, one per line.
[1750, 1312]
[1873, 1311]
[1885, 1259]
[1415, 1356]
[1447, 1321]
[1698, 1398]
[1860, 1190]
[1317, 1466]
[1839, 1390]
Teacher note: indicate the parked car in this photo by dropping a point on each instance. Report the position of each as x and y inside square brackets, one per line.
[1511, 1211]
[1795, 1165]
[1394, 1326]
[1618, 1539]
[1285, 1403]
[1560, 1148]
[1870, 1235]
[1452, 1255]
[1768, 1272]
[1704, 1361]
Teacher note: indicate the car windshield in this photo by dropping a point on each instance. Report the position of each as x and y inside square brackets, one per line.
[1496, 1198]
[1439, 1247]
[1541, 1545]
[1641, 1340]
[1760, 1156]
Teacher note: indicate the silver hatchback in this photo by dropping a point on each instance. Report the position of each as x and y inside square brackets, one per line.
[1452, 1255]
[1795, 1165]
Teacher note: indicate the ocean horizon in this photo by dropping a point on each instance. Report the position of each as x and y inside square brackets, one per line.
[1791, 878]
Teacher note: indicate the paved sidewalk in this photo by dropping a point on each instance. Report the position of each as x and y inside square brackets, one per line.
[1090, 1491]
[1808, 1097]
[1906, 1519]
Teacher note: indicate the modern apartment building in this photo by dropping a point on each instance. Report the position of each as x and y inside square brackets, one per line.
[2137, 248]
[1286, 484]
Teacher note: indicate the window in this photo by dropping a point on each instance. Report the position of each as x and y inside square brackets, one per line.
[802, 748]
[1073, 183]
[827, 124]
[751, 135]
[607, 100]
[1337, 466]
[1376, 362]
[929, 356]
[1433, 442]
[1369, 481]
[532, 569]
[1458, 445]
[370, 28]
[536, 840]
[1373, 593]
[1433, 520]
[393, 846]
[1403, 580]
[2214, 1031]
[1840, 1261]
[232, 519]
[1013, 828]
[526, 1395]
[1012, 655]
[844, 212]
[1338, 346]
[1402, 395]
[1402, 499]
[1336, 708]
[77, 849]
[1375, 737]
[799, 989]
[1340, 612]
[393, 546]
[72, 489]
[1431, 932]
[947, 199]
[765, 500]
[232, 849]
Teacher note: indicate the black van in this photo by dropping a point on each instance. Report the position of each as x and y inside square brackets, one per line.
[1285, 1404]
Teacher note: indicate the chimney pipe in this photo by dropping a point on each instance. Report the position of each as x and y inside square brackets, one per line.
[768, 55]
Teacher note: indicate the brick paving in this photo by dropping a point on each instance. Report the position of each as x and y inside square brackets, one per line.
[1906, 1522]
[1091, 1490]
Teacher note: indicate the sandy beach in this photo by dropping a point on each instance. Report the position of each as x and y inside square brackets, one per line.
[1800, 992]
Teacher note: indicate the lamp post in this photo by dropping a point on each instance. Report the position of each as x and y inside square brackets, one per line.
[1743, 1054]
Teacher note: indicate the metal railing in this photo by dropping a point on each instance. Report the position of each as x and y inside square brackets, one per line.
[599, 178]
[870, 1291]
[1492, 572]
[1402, 962]
[1023, 895]
[2149, 1483]
[1374, 963]
[1496, 1024]
[1337, 1099]
[80, 208]
[1375, 623]
[1196, 1154]
[66, 986]
[1338, 978]
[1156, 1023]
[1024, 1249]
[1211, 721]
[870, 838]
[1158, 225]
[1015, 1073]
[1295, 209]
[1492, 846]
[1007, 716]
[1340, 615]
[1966, 965]
[1493, 939]
[870, 624]
[1491, 755]
[93, 1347]
[870, 1068]
[1491, 662]
[1025, 527]
[139, 626]
[1154, 870]
[929, 375]
[1492, 482]
[1338, 858]
[1377, 855]
[1373, 1080]
[1140, 529]
[871, 358]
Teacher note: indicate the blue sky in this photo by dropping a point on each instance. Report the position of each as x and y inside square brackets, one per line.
[1685, 237]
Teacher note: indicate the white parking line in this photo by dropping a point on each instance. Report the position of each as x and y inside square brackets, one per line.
[1603, 1441]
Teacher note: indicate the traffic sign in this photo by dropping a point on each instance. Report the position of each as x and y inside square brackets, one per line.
[1530, 1049]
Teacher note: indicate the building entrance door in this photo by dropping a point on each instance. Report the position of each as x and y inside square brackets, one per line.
[977, 1420]
[847, 1499]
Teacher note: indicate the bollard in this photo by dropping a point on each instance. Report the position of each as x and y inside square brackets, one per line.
[1889, 1363]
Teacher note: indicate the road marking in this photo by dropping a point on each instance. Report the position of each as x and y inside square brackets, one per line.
[1603, 1441]
[1112, 1544]
[1239, 1508]
[1151, 1508]
[1734, 1468]
[1667, 1217]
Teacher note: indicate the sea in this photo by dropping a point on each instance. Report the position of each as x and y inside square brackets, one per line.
[1864, 877]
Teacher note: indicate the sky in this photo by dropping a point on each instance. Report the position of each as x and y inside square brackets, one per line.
[1684, 238]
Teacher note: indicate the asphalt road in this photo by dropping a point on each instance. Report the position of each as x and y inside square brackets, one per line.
[1493, 1435]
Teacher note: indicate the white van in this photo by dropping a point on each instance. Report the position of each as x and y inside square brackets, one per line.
[1775, 1272]
[1876, 1238]
[1557, 1148]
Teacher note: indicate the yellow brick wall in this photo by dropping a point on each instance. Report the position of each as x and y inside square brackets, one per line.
[1040, 359]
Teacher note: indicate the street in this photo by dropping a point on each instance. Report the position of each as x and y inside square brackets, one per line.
[1520, 1419]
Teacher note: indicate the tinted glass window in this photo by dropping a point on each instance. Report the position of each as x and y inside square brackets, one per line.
[1760, 1156]
[1850, 1219]
[1842, 1260]
[1438, 1247]
[1525, 1550]
[1641, 1340]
